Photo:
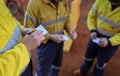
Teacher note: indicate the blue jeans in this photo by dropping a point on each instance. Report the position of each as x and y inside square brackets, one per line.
[49, 58]
[103, 55]
[28, 70]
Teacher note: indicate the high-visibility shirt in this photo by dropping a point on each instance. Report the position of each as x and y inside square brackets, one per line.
[55, 20]
[105, 21]
[14, 56]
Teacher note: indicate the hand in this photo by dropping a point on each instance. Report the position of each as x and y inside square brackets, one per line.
[103, 42]
[73, 34]
[93, 35]
[26, 30]
[56, 38]
[33, 40]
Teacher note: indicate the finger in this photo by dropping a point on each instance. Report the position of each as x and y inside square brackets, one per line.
[37, 32]
[31, 30]
[60, 39]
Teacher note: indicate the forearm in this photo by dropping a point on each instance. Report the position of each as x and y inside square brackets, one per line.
[16, 59]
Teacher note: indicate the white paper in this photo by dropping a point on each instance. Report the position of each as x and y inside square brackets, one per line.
[96, 40]
[65, 37]
[40, 27]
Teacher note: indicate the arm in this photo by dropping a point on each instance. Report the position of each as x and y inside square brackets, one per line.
[31, 17]
[15, 59]
[68, 25]
[30, 20]
[92, 20]
[92, 16]
[69, 28]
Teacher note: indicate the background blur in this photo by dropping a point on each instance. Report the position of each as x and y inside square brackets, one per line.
[73, 59]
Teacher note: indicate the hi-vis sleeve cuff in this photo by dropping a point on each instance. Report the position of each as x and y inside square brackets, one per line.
[115, 40]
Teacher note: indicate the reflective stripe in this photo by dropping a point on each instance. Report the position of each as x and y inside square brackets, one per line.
[111, 23]
[97, 66]
[47, 23]
[33, 20]
[104, 33]
[56, 67]
[36, 74]
[59, 32]
[94, 9]
[12, 42]
[88, 59]
[55, 21]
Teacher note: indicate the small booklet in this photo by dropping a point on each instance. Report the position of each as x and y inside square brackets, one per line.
[65, 37]
[44, 31]
[96, 40]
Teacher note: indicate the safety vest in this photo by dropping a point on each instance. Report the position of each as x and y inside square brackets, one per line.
[55, 20]
[14, 56]
[105, 21]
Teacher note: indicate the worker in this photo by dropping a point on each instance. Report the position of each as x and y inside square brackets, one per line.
[14, 51]
[104, 26]
[53, 16]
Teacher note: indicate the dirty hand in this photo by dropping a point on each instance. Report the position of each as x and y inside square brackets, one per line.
[33, 40]
[73, 34]
[56, 38]
[93, 35]
[103, 42]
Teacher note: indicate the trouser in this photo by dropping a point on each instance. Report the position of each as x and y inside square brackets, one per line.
[49, 58]
[103, 56]
[28, 70]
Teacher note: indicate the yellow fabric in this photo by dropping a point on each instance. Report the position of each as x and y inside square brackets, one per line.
[75, 13]
[12, 61]
[42, 11]
[8, 22]
[103, 8]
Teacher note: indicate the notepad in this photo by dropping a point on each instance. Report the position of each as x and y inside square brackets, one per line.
[65, 37]
[96, 40]
[44, 31]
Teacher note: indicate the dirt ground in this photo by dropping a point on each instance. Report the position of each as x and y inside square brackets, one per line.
[74, 58]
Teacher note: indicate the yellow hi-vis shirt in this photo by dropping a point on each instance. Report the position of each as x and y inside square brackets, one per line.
[14, 56]
[105, 21]
[55, 20]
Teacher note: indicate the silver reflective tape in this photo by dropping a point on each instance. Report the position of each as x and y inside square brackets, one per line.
[55, 21]
[59, 32]
[111, 23]
[94, 9]
[33, 20]
[98, 67]
[12, 42]
[88, 59]
[104, 33]
[36, 74]
[56, 67]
